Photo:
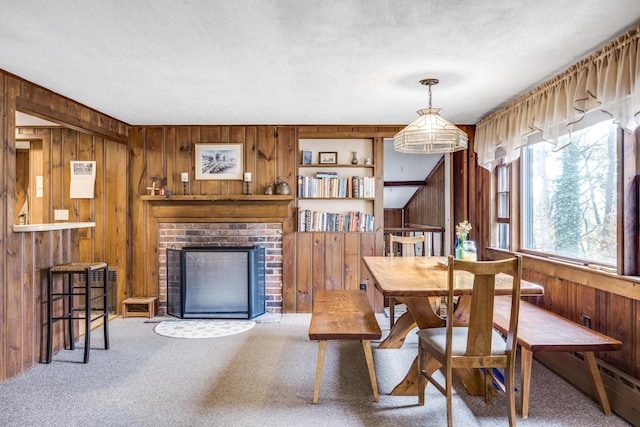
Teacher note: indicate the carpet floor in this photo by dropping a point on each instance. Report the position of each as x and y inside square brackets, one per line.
[261, 377]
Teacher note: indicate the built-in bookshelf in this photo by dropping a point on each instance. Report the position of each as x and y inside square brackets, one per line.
[330, 185]
[334, 193]
[353, 221]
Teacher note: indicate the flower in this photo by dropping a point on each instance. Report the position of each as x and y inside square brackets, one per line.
[463, 228]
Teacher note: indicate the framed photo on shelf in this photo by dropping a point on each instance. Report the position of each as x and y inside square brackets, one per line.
[219, 161]
[328, 157]
[306, 157]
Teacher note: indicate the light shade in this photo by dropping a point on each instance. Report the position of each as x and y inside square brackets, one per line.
[430, 133]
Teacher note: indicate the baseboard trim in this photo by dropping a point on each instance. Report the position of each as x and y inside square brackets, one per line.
[622, 390]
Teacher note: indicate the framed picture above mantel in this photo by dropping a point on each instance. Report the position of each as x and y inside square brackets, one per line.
[219, 161]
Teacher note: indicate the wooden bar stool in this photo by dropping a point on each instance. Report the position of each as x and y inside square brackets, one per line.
[90, 291]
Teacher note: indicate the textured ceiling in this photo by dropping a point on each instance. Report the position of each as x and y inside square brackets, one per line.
[194, 62]
[299, 61]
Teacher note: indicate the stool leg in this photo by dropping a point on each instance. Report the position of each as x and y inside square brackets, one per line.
[87, 315]
[105, 308]
[49, 318]
[69, 312]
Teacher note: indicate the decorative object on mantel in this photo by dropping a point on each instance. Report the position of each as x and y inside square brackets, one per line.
[354, 160]
[247, 182]
[462, 232]
[184, 177]
[282, 187]
[430, 133]
[268, 190]
[153, 188]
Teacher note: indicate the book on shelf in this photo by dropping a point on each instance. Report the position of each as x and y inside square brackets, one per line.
[353, 221]
[325, 174]
[336, 187]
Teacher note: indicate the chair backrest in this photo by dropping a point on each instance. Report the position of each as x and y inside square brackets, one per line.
[407, 244]
[481, 301]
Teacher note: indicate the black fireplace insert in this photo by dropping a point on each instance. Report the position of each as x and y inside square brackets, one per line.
[216, 282]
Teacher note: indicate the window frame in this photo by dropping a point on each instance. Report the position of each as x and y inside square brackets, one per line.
[592, 119]
[628, 215]
[501, 221]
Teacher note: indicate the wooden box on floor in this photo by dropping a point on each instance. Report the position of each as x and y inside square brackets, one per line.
[139, 307]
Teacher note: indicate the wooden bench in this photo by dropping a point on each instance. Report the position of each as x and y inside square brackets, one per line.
[343, 315]
[541, 330]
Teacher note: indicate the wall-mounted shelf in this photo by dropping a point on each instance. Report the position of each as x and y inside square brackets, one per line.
[230, 208]
[341, 166]
[52, 226]
[218, 199]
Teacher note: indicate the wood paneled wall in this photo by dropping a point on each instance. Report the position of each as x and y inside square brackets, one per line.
[271, 153]
[462, 184]
[427, 206]
[393, 218]
[167, 151]
[26, 256]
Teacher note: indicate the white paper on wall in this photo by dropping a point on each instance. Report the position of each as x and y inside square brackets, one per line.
[83, 178]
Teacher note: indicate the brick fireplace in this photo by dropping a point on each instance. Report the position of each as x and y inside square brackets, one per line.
[266, 235]
[241, 220]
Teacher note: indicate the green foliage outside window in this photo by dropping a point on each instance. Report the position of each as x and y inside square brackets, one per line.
[570, 203]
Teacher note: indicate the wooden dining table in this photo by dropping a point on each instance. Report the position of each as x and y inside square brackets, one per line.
[411, 281]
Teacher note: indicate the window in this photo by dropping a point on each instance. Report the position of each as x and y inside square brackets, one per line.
[502, 208]
[570, 195]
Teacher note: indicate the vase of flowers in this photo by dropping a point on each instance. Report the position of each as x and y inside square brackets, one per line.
[462, 232]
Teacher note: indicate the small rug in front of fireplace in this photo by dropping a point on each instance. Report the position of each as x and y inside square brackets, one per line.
[202, 328]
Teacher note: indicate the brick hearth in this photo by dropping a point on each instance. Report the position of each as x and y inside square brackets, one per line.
[266, 235]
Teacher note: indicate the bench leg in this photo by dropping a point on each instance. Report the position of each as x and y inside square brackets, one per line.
[368, 355]
[322, 346]
[526, 358]
[592, 367]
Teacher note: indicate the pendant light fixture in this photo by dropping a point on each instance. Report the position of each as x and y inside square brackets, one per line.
[430, 133]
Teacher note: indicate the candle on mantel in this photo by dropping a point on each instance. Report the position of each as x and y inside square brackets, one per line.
[184, 176]
[247, 177]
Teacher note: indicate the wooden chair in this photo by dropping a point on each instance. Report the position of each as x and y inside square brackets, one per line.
[407, 246]
[472, 342]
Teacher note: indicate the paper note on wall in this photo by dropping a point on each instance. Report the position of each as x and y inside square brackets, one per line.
[39, 187]
[83, 178]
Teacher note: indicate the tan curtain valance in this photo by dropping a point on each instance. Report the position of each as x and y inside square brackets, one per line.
[608, 80]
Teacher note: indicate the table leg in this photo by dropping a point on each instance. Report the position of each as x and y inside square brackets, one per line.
[398, 332]
[419, 312]
[409, 384]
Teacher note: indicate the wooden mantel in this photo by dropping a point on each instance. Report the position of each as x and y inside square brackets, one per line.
[234, 208]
